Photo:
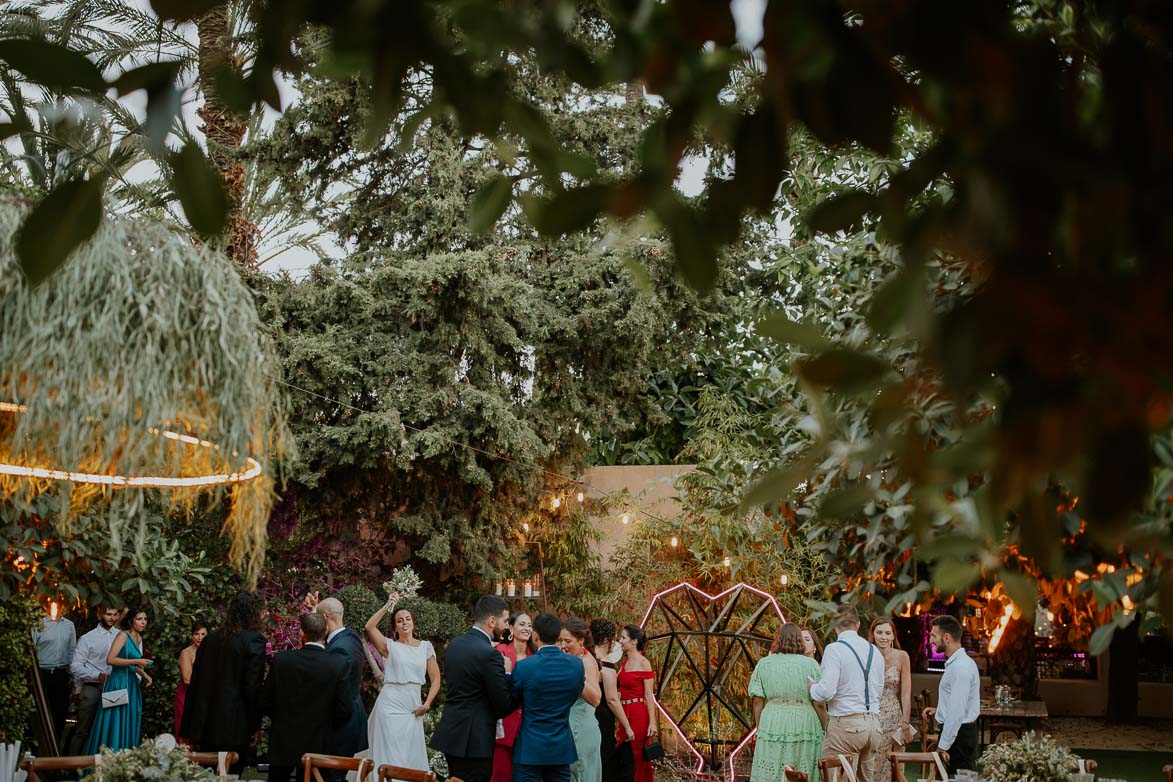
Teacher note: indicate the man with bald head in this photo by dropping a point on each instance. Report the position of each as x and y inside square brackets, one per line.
[350, 738]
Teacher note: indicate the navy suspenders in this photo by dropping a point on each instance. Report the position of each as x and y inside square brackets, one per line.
[867, 695]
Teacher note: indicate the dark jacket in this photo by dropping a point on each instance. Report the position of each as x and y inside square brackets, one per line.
[351, 738]
[545, 685]
[478, 695]
[307, 698]
[222, 707]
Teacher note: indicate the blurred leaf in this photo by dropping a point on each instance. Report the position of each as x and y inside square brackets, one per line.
[843, 212]
[842, 369]
[489, 203]
[569, 210]
[55, 67]
[69, 215]
[846, 502]
[200, 190]
[760, 157]
[891, 301]
[777, 485]
[786, 331]
[1165, 599]
[1023, 590]
[952, 576]
[146, 77]
[1101, 639]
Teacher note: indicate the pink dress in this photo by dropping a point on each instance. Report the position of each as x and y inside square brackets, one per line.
[503, 750]
[180, 697]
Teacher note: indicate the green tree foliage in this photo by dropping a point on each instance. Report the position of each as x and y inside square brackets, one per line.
[18, 616]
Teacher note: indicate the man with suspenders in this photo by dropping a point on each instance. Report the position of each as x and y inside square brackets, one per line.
[851, 683]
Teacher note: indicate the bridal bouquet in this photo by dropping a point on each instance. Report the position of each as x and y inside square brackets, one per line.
[403, 584]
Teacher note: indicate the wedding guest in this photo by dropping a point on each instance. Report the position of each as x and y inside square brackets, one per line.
[851, 683]
[575, 640]
[477, 694]
[121, 726]
[351, 738]
[811, 646]
[638, 696]
[615, 751]
[397, 719]
[186, 662]
[517, 646]
[546, 685]
[896, 700]
[222, 707]
[959, 701]
[89, 670]
[307, 698]
[55, 640]
[790, 731]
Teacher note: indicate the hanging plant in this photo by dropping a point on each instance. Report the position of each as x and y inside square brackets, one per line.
[141, 364]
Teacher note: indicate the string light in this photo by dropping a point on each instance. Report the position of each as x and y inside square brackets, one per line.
[626, 518]
[580, 497]
[674, 542]
[525, 526]
[556, 503]
[1050, 616]
[728, 562]
[785, 579]
[1126, 601]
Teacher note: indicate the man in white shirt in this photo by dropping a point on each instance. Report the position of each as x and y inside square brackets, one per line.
[851, 683]
[89, 670]
[55, 639]
[959, 700]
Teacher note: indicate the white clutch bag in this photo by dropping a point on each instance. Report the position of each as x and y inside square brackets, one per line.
[904, 735]
[115, 698]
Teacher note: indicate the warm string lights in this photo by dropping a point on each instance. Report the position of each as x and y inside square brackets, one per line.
[1000, 630]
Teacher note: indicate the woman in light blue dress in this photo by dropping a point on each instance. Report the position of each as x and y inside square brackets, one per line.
[575, 639]
[121, 727]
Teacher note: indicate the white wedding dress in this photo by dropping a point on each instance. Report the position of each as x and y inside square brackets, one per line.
[396, 734]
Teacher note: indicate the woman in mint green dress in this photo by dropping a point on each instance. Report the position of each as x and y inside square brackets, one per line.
[575, 639]
[790, 731]
[121, 727]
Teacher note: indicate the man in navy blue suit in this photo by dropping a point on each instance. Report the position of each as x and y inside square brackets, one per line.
[545, 686]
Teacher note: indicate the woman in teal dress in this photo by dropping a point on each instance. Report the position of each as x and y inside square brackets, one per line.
[575, 639]
[790, 730]
[121, 727]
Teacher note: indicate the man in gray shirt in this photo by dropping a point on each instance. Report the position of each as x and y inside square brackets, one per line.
[54, 640]
[89, 671]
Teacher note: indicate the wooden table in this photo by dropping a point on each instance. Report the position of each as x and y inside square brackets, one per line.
[1017, 718]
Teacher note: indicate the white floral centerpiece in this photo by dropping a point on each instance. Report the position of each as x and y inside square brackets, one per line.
[403, 584]
[150, 762]
[1033, 758]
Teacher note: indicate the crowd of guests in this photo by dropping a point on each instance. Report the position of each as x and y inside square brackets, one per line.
[528, 698]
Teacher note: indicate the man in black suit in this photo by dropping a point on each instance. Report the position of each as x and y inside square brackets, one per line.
[222, 712]
[345, 643]
[478, 694]
[307, 698]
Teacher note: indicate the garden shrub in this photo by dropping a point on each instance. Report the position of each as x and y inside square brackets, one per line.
[18, 615]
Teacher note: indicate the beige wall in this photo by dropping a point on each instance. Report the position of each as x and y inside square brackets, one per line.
[650, 488]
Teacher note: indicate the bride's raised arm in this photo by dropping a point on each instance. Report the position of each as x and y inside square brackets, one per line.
[376, 636]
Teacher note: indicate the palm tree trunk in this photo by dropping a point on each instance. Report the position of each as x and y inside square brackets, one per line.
[224, 130]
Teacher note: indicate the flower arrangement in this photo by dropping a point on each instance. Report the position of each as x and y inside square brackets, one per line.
[1033, 758]
[403, 584]
[149, 761]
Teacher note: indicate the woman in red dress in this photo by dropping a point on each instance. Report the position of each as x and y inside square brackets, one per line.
[186, 663]
[637, 695]
[518, 647]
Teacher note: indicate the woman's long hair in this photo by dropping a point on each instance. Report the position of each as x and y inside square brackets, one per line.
[394, 616]
[244, 613]
[579, 630]
[530, 646]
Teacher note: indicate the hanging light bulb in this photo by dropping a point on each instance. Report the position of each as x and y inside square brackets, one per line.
[674, 542]
[728, 561]
[626, 518]
[556, 503]
[1050, 616]
[785, 579]
[580, 496]
[525, 526]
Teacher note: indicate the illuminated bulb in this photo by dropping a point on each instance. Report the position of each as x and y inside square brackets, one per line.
[581, 496]
[626, 519]
[525, 526]
[1050, 616]
[674, 542]
[1005, 620]
[1128, 605]
[727, 561]
[53, 610]
[785, 579]
[556, 503]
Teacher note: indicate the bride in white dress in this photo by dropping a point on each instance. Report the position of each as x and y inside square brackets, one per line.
[397, 721]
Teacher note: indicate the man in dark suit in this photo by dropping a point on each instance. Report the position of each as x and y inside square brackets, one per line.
[307, 698]
[478, 694]
[545, 685]
[222, 711]
[345, 643]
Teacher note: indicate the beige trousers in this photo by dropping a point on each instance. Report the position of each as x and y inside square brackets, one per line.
[856, 734]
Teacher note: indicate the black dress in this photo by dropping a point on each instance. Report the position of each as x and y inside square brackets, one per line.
[618, 764]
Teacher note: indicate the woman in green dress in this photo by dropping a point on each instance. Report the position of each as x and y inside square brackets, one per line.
[790, 730]
[121, 727]
[575, 639]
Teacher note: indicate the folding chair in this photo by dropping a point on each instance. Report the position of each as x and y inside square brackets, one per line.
[313, 762]
[929, 736]
[65, 763]
[930, 760]
[794, 775]
[220, 761]
[388, 772]
[841, 768]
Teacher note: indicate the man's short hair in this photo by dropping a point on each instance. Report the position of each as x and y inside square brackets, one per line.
[949, 624]
[548, 626]
[313, 625]
[846, 619]
[489, 606]
[331, 606]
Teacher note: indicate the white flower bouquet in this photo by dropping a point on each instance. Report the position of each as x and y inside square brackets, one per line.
[150, 762]
[403, 584]
[1033, 758]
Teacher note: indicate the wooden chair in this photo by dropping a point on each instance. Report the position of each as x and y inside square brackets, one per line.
[794, 775]
[926, 760]
[65, 763]
[1088, 766]
[833, 770]
[1168, 773]
[388, 772]
[313, 762]
[212, 760]
[928, 728]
